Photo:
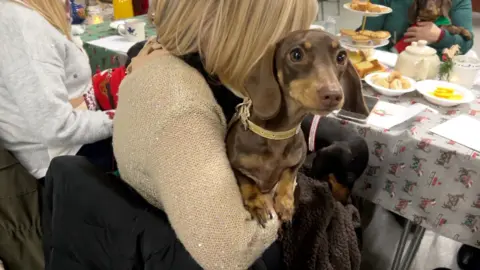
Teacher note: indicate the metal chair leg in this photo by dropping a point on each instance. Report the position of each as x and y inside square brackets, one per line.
[401, 245]
[413, 248]
[322, 11]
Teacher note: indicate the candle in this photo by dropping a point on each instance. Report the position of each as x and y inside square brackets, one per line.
[96, 19]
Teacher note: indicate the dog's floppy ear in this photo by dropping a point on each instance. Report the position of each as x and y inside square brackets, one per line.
[263, 88]
[352, 90]
[445, 8]
[413, 12]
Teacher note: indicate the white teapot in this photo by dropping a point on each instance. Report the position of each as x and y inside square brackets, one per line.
[418, 62]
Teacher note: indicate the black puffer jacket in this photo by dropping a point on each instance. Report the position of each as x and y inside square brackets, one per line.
[94, 221]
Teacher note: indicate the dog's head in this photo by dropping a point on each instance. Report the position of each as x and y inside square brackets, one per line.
[429, 10]
[309, 68]
[341, 164]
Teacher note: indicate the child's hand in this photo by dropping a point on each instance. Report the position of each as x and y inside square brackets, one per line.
[423, 31]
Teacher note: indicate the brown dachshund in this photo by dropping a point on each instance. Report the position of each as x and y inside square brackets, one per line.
[431, 10]
[306, 72]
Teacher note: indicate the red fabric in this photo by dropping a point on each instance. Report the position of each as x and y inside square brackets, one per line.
[401, 44]
[442, 34]
[140, 7]
[106, 85]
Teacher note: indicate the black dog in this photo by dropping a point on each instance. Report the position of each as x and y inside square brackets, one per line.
[341, 155]
[133, 51]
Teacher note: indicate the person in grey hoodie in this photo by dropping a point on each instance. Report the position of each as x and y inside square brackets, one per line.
[47, 104]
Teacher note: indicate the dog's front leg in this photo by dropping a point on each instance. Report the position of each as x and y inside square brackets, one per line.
[284, 195]
[258, 204]
[455, 30]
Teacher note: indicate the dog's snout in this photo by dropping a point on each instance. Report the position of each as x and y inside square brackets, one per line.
[331, 97]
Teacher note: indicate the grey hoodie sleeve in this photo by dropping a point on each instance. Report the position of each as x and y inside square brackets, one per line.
[32, 68]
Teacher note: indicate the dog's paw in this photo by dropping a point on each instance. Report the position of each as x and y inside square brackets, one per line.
[260, 207]
[285, 207]
[466, 34]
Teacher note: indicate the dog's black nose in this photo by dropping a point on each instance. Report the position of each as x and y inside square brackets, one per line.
[331, 98]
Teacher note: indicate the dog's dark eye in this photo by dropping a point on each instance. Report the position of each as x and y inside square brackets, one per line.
[341, 58]
[296, 55]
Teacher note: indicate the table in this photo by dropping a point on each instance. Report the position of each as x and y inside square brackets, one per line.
[431, 181]
[423, 177]
[101, 58]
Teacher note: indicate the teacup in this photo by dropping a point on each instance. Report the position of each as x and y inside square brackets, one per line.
[464, 70]
[133, 30]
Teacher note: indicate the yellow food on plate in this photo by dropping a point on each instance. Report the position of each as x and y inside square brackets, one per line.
[379, 36]
[359, 39]
[367, 7]
[360, 55]
[359, 6]
[365, 36]
[447, 93]
[394, 81]
[348, 32]
[366, 33]
[366, 67]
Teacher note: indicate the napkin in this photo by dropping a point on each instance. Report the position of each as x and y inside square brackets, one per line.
[462, 129]
[387, 115]
[387, 58]
[113, 43]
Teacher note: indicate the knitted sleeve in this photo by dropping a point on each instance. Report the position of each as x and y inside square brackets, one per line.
[461, 15]
[169, 128]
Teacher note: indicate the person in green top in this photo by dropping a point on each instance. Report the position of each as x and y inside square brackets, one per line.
[399, 26]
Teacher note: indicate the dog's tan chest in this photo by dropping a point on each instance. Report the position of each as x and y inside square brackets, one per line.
[267, 162]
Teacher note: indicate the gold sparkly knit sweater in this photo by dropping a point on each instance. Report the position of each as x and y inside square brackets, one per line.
[169, 143]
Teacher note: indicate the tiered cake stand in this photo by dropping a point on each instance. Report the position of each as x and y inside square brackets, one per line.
[348, 43]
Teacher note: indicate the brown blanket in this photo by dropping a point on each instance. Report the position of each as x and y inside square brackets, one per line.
[321, 235]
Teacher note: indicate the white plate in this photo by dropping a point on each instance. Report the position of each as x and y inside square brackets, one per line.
[366, 13]
[347, 43]
[316, 26]
[427, 87]
[387, 91]
[115, 24]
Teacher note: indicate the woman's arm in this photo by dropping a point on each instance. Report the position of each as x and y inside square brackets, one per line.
[188, 166]
[32, 68]
[461, 15]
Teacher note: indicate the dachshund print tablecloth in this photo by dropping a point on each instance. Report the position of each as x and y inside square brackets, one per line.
[426, 178]
[101, 58]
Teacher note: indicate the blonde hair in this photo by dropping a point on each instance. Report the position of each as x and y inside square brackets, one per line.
[53, 11]
[230, 35]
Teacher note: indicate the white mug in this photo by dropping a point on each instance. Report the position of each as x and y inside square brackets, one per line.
[464, 70]
[133, 30]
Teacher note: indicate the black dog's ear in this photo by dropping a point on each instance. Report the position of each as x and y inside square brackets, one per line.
[134, 51]
[331, 159]
[445, 8]
[413, 12]
[321, 165]
[351, 179]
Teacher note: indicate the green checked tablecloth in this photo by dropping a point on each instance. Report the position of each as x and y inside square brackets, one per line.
[101, 58]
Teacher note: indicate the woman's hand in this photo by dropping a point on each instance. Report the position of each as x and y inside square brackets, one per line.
[423, 31]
